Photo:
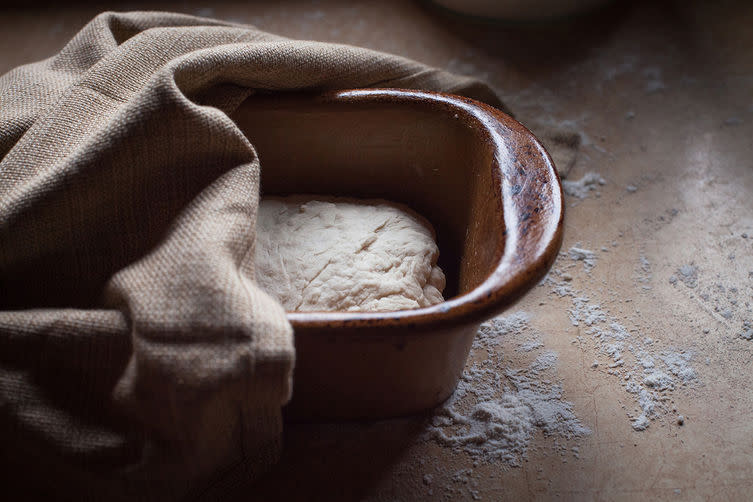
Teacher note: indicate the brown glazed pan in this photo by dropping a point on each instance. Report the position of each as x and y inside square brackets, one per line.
[481, 178]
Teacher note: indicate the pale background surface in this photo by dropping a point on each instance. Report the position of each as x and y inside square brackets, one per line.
[684, 70]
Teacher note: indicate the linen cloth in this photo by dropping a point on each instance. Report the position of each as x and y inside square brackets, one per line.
[138, 358]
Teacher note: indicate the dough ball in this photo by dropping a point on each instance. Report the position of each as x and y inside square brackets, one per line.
[344, 254]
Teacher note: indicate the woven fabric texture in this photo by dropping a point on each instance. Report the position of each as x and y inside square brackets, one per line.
[138, 359]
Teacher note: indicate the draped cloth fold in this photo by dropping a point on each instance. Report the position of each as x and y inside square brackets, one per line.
[138, 358]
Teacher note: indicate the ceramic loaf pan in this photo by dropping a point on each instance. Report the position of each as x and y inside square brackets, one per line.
[481, 178]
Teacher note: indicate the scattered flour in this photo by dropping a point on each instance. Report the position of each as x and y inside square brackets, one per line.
[727, 302]
[654, 81]
[641, 423]
[585, 312]
[491, 332]
[747, 333]
[678, 364]
[658, 380]
[581, 188]
[687, 274]
[496, 411]
[586, 256]
[530, 345]
[647, 373]
[643, 274]
[560, 281]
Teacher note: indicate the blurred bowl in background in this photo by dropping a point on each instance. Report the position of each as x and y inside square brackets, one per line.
[520, 10]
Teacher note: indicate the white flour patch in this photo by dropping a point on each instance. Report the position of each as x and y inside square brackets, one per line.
[532, 343]
[658, 380]
[590, 182]
[560, 281]
[583, 311]
[491, 332]
[496, 411]
[584, 255]
[641, 423]
[687, 274]
[643, 274]
[678, 364]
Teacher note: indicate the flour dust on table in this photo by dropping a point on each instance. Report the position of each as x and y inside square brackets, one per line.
[497, 410]
[647, 371]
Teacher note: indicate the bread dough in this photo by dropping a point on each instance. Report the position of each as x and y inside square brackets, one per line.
[346, 254]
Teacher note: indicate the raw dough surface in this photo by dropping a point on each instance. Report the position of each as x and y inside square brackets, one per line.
[328, 254]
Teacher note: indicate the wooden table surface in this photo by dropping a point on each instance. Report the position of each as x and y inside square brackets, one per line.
[662, 95]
